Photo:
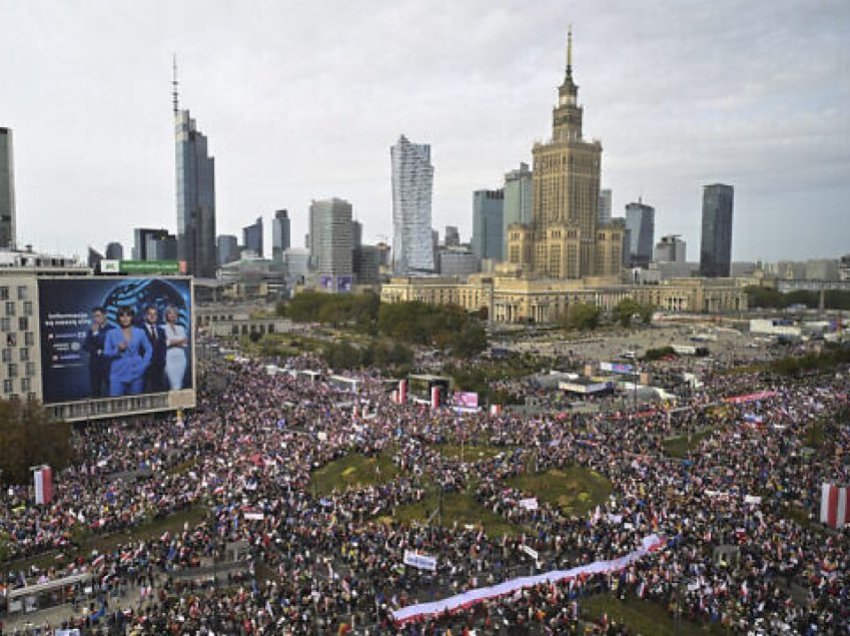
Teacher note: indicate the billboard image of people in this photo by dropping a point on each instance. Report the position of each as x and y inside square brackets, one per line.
[112, 337]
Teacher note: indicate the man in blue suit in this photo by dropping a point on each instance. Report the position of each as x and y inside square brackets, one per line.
[130, 353]
[98, 362]
[155, 374]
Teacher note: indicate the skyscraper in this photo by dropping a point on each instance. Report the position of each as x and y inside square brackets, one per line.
[452, 236]
[114, 251]
[332, 244]
[252, 237]
[7, 189]
[517, 208]
[670, 249]
[487, 218]
[412, 183]
[604, 207]
[142, 242]
[715, 254]
[228, 248]
[161, 247]
[640, 221]
[280, 234]
[196, 236]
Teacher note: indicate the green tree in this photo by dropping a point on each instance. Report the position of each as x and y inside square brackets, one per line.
[582, 316]
[30, 437]
[629, 309]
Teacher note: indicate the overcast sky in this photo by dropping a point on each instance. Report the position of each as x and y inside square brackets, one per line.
[302, 101]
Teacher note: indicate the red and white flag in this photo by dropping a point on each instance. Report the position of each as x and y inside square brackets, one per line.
[43, 478]
[834, 505]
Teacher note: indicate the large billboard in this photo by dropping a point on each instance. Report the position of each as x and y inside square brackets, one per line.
[114, 337]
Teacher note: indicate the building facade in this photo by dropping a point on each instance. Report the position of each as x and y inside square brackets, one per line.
[604, 207]
[252, 237]
[196, 238]
[452, 237]
[715, 254]
[332, 244]
[487, 218]
[670, 249]
[7, 190]
[161, 248]
[412, 185]
[561, 241]
[517, 208]
[143, 237]
[228, 248]
[640, 221]
[281, 237]
[114, 251]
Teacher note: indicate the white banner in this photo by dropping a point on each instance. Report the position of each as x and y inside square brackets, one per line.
[530, 552]
[420, 561]
[528, 504]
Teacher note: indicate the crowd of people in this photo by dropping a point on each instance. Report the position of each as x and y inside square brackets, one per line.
[332, 563]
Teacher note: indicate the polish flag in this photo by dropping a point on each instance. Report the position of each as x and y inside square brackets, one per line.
[834, 505]
[43, 478]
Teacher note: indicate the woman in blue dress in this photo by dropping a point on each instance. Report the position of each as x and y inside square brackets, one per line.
[130, 353]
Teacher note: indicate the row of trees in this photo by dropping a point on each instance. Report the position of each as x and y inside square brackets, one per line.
[767, 298]
[30, 438]
[587, 317]
[828, 359]
[391, 355]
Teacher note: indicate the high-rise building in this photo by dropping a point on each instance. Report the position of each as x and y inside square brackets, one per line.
[93, 259]
[452, 237]
[332, 243]
[412, 183]
[280, 234]
[356, 233]
[715, 254]
[517, 208]
[562, 240]
[487, 218]
[7, 189]
[604, 207]
[142, 237]
[252, 237]
[670, 249]
[161, 247]
[114, 251]
[228, 249]
[640, 221]
[196, 238]
[367, 264]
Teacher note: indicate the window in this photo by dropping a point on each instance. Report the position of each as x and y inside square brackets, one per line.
[12, 370]
[11, 340]
[5, 324]
[27, 308]
[29, 338]
[23, 323]
[26, 384]
[23, 292]
[4, 293]
[7, 355]
[30, 369]
[10, 307]
[24, 354]
[7, 387]
[31, 396]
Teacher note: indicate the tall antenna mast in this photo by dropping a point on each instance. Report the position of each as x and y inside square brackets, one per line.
[174, 84]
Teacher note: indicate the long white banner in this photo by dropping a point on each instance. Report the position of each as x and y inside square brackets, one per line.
[471, 597]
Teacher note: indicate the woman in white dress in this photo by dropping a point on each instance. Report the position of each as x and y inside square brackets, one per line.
[175, 353]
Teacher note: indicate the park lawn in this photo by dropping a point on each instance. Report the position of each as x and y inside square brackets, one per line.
[679, 447]
[458, 508]
[641, 616]
[353, 470]
[573, 489]
[471, 452]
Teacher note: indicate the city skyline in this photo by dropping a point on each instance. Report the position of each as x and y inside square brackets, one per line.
[676, 103]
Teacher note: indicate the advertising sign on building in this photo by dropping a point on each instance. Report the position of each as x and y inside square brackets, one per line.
[113, 337]
[150, 267]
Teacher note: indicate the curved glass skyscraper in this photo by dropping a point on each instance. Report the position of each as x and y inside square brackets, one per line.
[412, 182]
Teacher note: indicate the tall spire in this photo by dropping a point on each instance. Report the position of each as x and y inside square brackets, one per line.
[174, 84]
[570, 50]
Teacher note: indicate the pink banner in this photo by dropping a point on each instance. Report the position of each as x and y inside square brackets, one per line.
[750, 397]
[472, 597]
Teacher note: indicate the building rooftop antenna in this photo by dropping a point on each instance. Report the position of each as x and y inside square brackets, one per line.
[174, 84]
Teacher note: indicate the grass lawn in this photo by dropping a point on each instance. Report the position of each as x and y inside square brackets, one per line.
[573, 489]
[641, 616]
[680, 446]
[104, 543]
[351, 471]
[471, 452]
[460, 508]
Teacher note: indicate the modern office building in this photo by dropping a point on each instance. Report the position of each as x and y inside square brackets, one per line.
[412, 184]
[114, 251]
[452, 237]
[161, 247]
[670, 249]
[7, 190]
[332, 244]
[604, 207]
[517, 208]
[367, 264]
[458, 261]
[142, 238]
[562, 240]
[228, 248]
[281, 237]
[196, 238]
[715, 254]
[356, 234]
[252, 237]
[640, 221]
[487, 219]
